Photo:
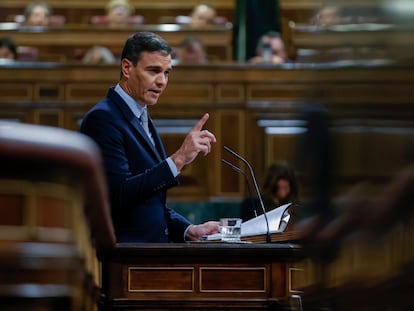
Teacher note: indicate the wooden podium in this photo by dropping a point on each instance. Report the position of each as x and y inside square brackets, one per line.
[199, 276]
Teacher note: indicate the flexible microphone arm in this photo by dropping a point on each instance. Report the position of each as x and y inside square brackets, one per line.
[238, 170]
[268, 238]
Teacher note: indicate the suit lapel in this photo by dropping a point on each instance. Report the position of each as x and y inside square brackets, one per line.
[133, 120]
[157, 140]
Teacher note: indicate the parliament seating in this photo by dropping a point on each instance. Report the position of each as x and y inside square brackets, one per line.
[55, 222]
[263, 104]
[80, 12]
[62, 43]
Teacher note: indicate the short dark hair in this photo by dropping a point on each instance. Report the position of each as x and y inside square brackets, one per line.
[29, 8]
[8, 42]
[144, 42]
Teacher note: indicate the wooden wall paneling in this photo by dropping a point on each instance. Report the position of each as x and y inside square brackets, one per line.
[230, 93]
[49, 91]
[194, 93]
[90, 93]
[67, 41]
[16, 91]
[231, 132]
[50, 117]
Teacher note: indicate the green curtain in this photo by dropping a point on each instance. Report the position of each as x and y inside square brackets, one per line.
[253, 18]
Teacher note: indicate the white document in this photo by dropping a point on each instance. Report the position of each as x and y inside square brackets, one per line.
[257, 225]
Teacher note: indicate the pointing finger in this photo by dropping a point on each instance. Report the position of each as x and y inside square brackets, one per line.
[201, 122]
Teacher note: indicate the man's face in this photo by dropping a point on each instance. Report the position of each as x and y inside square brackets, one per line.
[119, 15]
[38, 17]
[148, 79]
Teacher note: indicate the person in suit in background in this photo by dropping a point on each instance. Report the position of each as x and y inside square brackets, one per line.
[270, 50]
[138, 171]
[279, 187]
[37, 13]
[8, 49]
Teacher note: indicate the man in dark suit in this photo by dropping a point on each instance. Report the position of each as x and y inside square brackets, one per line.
[139, 173]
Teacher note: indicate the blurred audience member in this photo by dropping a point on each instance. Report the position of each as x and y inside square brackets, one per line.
[119, 12]
[37, 13]
[191, 51]
[327, 15]
[202, 15]
[270, 49]
[8, 49]
[99, 55]
[279, 187]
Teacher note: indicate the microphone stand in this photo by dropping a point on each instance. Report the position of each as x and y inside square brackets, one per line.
[268, 237]
[238, 170]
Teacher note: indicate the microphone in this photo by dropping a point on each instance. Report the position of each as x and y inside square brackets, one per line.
[238, 170]
[268, 238]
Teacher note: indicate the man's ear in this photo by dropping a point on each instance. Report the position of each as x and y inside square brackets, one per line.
[126, 66]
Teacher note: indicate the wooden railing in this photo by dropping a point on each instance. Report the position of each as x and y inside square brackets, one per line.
[64, 43]
[54, 219]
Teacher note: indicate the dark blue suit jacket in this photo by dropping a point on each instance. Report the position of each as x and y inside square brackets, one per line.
[137, 172]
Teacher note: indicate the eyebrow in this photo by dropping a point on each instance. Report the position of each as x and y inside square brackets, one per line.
[157, 67]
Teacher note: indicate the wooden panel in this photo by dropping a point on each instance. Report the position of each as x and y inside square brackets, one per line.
[21, 91]
[11, 209]
[274, 92]
[231, 279]
[51, 117]
[45, 91]
[68, 40]
[230, 93]
[231, 133]
[160, 279]
[51, 212]
[91, 92]
[190, 93]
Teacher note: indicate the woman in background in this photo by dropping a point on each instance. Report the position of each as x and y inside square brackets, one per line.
[279, 187]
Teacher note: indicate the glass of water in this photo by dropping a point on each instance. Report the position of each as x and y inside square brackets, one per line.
[230, 229]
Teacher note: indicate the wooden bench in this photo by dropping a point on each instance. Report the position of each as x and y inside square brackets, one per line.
[63, 43]
[54, 219]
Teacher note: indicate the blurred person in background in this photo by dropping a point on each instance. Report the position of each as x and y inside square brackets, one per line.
[280, 187]
[8, 49]
[327, 15]
[270, 49]
[191, 51]
[119, 12]
[202, 15]
[99, 55]
[37, 13]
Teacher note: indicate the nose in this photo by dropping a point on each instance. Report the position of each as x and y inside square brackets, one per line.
[161, 79]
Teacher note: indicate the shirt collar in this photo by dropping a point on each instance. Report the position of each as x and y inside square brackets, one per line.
[135, 107]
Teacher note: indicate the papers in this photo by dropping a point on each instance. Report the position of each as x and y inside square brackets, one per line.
[257, 225]
[278, 219]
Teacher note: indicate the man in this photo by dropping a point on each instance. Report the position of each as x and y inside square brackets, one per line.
[202, 16]
[138, 171]
[37, 13]
[191, 51]
[270, 49]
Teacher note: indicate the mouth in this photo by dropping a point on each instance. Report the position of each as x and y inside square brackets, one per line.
[154, 91]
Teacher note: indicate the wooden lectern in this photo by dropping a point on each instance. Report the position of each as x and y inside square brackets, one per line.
[199, 276]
